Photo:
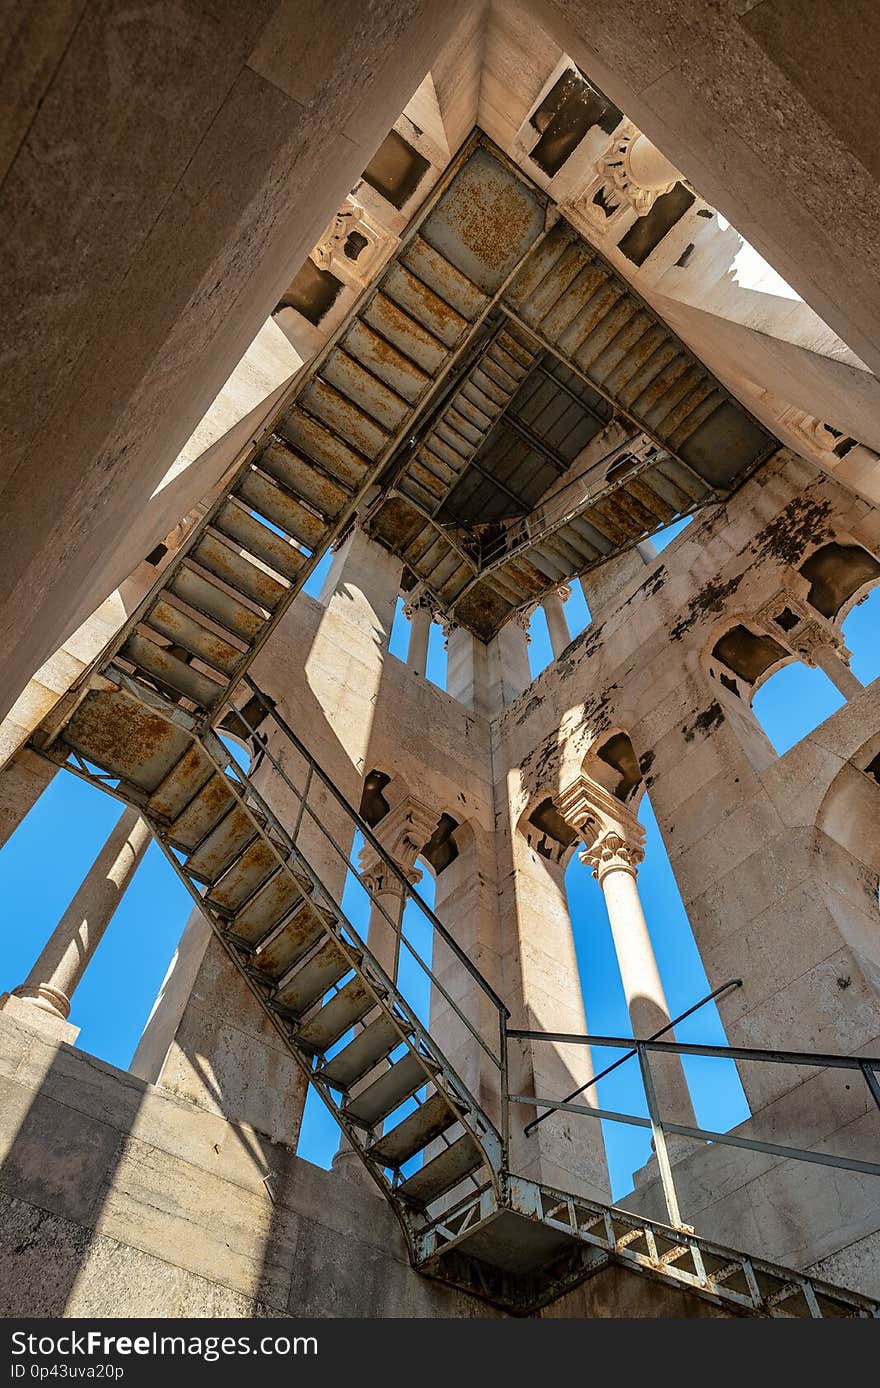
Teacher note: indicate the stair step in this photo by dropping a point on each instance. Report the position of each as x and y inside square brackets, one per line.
[362, 1054]
[243, 878]
[313, 978]
[213, 800]
[186, 778]
[313, 440]
[305, 479]
[259, 917]
[282, 509]
[199, 593]
[224, 843]
[443, 1172]
[391, 1088]
[419, 1128]
[344, 1009]
[219, 558]
[239, 525]
[290, 942]
[194, 637]
[169, 671]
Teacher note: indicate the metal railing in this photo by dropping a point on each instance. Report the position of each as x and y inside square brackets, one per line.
[312, 830]
[867, 1066]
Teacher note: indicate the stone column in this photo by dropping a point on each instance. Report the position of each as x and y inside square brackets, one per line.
[508, 662]
[614, 849]
[52, 981]
[419, 616]
[832, 660]
[467, 672]
[557, 623]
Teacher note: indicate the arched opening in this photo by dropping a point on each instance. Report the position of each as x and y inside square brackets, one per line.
[773, 699]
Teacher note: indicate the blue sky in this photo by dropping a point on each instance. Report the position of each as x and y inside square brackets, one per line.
[43, 863]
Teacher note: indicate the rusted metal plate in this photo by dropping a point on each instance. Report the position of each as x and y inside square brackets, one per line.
[186, 778]
[314, 440]
[199, 593]
[223, 843]
[416, 1131]
[168, 671]
[208, 804]
[313, 978]
[276, 551]
[124, 737]
[219, 558]
[322, 492]
[268, 908]
[421, 303]
[405, 333]
[392, 368]
[281, 508]
[343, 418]
[170, 622]
[452, 286]
[245, 875]
[364, 390]
[486, 221]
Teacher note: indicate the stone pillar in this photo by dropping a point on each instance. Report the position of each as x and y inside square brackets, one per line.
[508, 662]
[832, 661]
[467, 671]
[52, 981]
[419, 616]
[557, 623]
[614, 849]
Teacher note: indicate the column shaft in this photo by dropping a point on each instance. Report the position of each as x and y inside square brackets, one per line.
[837, 670]
[51, 983]
[417, 651]
[557, 623]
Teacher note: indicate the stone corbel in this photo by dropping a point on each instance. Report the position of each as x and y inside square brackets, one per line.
[612, 836]
[403, 833]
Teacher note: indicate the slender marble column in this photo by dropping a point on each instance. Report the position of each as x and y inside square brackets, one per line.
[52, 981]
[557, 623]
[420, 631]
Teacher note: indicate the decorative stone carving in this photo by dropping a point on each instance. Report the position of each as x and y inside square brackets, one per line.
[630, 175]
[403, 833]
[353, 244]
[611, 852]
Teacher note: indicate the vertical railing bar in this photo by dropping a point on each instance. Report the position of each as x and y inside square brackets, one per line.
[659, 1136]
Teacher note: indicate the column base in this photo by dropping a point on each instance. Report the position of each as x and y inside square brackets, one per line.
[34, 1012]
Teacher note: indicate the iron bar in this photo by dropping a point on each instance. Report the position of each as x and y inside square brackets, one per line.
[731, 983]
[806, 1058]
[773, 1149]
[659, 1136]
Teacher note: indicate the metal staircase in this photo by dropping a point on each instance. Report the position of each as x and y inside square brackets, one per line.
[267, 854]
[245, 845]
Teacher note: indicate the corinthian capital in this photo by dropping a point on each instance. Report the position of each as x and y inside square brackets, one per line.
[611, 852]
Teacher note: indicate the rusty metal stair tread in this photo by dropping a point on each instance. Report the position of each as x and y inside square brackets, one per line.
[314, 976]
[221, 845]
[391, 1088]
[415, 1132]
[442, 1172]
[289, 943]
[271, 904]
[364, 1052]
[347, 1007]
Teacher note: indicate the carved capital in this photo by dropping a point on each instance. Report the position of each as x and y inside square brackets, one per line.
[403, 833]
[611, 852]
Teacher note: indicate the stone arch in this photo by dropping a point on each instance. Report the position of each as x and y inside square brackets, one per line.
[545, 829]
[612, 762]
[838, 575]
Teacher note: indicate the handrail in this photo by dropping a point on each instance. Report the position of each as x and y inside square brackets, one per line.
[731, 983]
[868, 1066]
[374, 843]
